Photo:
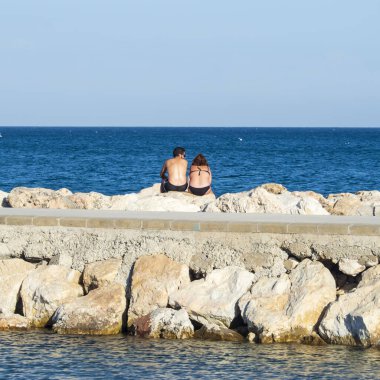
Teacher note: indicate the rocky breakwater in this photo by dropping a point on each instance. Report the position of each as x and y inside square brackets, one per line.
[268, 198]
[309, 303]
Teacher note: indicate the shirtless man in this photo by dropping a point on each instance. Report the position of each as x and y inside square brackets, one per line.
[176, 168]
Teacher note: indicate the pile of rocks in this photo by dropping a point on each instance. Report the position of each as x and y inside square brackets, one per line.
[268, 198]
[305, 305]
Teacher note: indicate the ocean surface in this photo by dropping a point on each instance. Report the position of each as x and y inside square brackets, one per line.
[43, 355]
[124, 160]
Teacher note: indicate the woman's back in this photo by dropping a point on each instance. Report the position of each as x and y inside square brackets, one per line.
[200, 176]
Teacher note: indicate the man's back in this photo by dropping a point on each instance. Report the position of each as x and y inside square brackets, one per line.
[176, 168]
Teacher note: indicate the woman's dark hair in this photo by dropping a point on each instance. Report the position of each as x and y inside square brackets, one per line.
[200, 160]
[177, 151]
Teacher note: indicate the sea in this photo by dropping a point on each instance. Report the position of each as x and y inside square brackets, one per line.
[125, 160]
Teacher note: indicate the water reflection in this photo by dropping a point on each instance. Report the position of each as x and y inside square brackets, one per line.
[45, 355]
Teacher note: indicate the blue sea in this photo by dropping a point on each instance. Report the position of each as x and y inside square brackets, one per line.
[124, 160]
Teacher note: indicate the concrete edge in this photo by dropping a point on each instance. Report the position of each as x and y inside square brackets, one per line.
[242, 224]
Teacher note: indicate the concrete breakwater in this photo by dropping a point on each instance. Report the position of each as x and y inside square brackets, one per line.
[271, 278]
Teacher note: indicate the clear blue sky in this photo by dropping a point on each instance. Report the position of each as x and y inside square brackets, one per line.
[190, 62]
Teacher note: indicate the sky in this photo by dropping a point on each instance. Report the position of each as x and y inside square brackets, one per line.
[269, 63]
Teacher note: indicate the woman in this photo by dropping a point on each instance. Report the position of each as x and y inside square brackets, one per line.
[200, 176]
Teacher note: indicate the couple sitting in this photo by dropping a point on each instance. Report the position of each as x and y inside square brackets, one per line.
[176, 167]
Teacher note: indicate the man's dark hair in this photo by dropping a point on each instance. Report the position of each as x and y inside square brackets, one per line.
[177, 151]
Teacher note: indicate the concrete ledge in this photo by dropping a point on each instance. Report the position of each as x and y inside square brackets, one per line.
[197, 222]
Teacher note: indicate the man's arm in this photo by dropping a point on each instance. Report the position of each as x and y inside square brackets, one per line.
[163, 171]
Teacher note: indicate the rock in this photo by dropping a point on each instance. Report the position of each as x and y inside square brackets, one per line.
[100, 273]
[369, 261]
[274, 188]
[350, 267]
[354, 319]
[90, 201]
[259, 200]
[297, 249]
[214, 299]
[4, 251]
[12, 274]
[286, 309]
[13, 322]
[100, 312]
[47, 288]
[290, 264]
[62, 259]
[154, 279]
[346, 204]
[23, 197]
[165, 323]
[3, 199]
[215, 332]
[251, 337]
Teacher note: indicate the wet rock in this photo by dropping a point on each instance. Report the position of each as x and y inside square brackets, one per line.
[165, 323]
[215, 332]
[350, 267]
[154, 279]
[100, 273]
[12, 274]
[354, 319]
[45, 289]
[13, 322]
[287, 308]
[214, 299]
[100, 312]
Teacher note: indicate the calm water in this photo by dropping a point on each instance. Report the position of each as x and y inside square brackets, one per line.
[123, 160]
[39, 355]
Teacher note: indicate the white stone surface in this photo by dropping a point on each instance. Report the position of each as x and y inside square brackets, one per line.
[354, 319]
[12, 274]
[286, 309]
[165, 323]
[98, 313]
[154, 279]
[350, 267]
[214, 299]
[47, 288]
[100, 273]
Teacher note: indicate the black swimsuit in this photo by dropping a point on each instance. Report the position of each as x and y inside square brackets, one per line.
[200, 190]
[169, 187]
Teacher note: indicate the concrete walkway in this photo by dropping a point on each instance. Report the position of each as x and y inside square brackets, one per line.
[204, 222]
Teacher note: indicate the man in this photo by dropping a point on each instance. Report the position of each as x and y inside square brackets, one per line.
[176, 168]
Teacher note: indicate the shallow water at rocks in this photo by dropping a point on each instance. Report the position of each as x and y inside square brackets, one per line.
[43, 355]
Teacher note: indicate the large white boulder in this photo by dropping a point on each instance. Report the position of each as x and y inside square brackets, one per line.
[24, 197]
[214, 299]
[354, 319]
[154, 279]
[269, 198]
[287, 309]
[12, 274]
[45, 289]
[98, 313]
[165, 323]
